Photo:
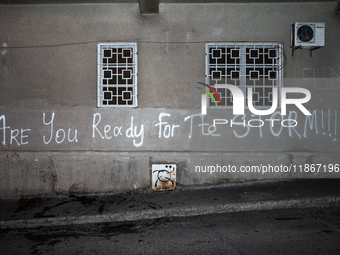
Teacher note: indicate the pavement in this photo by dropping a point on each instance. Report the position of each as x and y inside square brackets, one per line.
[181, 202]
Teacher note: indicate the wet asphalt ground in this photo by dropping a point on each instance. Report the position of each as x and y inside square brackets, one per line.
[275, 217]
[289, 231]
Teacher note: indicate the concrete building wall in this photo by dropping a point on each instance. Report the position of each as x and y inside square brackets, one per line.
[52, 135]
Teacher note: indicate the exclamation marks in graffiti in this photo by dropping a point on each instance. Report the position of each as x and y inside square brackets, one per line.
[329, 122]
[335, 122]
[326, 123]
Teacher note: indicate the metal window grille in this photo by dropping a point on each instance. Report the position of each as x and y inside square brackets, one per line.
[256, 65]
[117, 75]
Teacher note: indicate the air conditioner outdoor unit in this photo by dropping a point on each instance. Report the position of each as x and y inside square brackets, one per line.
[307, 35]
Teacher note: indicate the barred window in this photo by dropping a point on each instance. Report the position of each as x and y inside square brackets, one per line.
[256, 65]
[117, 75]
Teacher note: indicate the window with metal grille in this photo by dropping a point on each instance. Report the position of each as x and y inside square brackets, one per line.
[117, 75]
[255, 65]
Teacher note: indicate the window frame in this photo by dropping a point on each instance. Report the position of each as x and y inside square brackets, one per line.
[133, 88]
[242, 48]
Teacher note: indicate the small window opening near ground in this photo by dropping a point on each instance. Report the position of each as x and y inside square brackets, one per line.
[117, 75]
[255, 65]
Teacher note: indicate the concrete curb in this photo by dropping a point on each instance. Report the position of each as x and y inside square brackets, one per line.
[172, 212]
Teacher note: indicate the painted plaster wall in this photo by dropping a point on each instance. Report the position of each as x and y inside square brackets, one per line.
[53, 139]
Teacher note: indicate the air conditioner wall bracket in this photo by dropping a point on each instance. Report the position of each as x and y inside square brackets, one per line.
[310, 50]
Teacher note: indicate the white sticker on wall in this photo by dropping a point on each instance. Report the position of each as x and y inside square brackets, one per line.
[163, 176]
